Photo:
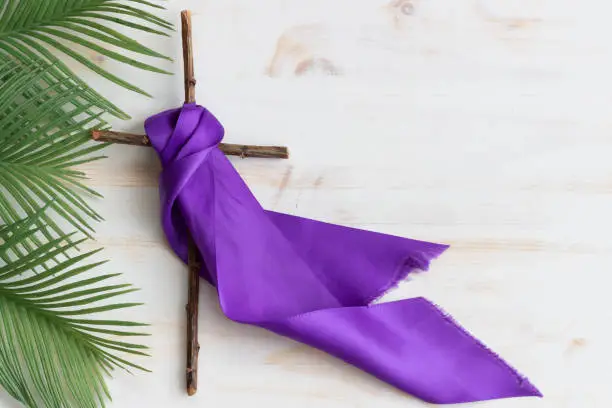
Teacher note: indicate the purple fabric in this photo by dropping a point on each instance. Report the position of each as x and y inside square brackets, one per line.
[312, 281]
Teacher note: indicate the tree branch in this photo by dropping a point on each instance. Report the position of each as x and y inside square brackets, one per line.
[193, 346]
[270, 152]
[190, 81]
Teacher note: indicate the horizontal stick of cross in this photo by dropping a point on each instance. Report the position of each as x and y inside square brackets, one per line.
[193, 262]
[266, 152]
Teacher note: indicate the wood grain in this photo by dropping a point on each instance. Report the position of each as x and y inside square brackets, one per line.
[481, 123]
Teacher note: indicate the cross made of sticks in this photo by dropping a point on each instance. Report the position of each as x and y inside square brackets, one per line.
[193, 262]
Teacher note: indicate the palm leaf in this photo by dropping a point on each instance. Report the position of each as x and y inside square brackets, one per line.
[30, 28]
[51, 354]
[46, 110]
[43, 132]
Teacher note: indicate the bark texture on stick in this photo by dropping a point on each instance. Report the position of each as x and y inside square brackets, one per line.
[265, 152]
[190, 81]
[193, 346]
[271, 152]
[110, 136]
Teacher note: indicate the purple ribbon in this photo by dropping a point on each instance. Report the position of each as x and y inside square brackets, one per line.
[314, 282]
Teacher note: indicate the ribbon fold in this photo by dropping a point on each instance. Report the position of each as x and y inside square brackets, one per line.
[312, 281]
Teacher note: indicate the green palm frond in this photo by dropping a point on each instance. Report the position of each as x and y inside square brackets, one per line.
[29, 29]
[53, 353]
[46, 110]
[43, 133]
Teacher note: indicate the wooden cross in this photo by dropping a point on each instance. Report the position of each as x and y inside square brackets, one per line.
[193, 262]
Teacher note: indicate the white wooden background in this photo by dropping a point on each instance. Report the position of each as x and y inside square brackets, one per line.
[480, 123]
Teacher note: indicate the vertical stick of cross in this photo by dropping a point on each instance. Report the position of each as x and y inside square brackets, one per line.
[193, 262]
[193, 346]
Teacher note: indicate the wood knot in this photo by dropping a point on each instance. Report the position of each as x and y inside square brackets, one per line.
[575, 345]
[191, 82]
[406, 7]
[316, 64]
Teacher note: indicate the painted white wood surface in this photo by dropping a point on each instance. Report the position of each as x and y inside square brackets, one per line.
[480, 123]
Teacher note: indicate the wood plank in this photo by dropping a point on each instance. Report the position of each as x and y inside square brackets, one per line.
[481, 123]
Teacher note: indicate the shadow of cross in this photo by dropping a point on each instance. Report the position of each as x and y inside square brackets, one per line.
[193, 257]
